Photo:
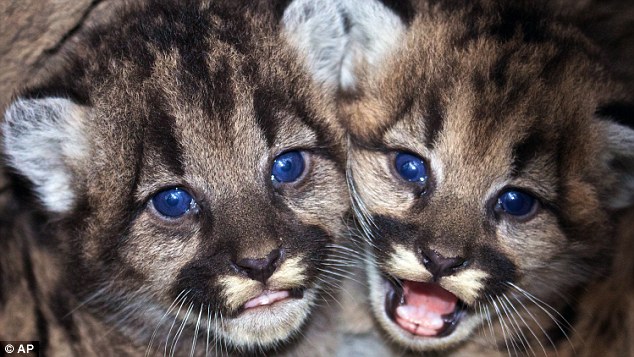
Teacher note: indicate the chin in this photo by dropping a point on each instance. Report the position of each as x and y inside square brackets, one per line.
[268, 319]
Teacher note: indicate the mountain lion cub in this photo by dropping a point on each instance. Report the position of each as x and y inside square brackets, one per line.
[191, 182]
[487, 164]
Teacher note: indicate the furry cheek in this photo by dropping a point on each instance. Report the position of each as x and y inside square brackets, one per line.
[162, 257]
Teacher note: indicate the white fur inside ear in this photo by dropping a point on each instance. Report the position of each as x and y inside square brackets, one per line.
[337, 37]
[620, 147]
[43, 140]
[375, 30]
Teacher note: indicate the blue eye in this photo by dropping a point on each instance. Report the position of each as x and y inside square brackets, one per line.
[287, 167]
[410, 167]
[173, 202]
[516, 203]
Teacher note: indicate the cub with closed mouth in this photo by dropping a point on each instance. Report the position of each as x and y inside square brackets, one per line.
[188, 190]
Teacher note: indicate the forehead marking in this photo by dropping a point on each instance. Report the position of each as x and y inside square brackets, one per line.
[160, 136]
[525, 151]
[434, 118]
[264, 103]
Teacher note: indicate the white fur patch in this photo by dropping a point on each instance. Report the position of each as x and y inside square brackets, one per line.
[237, 290]
[338, 36]
[42, 137]
[466, 284]
[289, 275]
[404, 264]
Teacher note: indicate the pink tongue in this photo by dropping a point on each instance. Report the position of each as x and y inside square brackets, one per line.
[425, 304]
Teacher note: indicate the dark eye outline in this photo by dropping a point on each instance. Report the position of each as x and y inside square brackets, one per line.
[423, 180]
[530, 213]
[192, 204]
[305, 166]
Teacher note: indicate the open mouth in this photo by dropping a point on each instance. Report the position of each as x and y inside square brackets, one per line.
[270, 297]
[423, 309]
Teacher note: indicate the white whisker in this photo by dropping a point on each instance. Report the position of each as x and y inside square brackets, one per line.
[223, 341]
[344, 275]
[181, 295]
[195, 339]
[180, 329]
[538, 325]
[217, 334]
[545, 308]
[208, 331]
[490, 323]
[516, 326]
[90, 298]
[502, 326]
[169, 332]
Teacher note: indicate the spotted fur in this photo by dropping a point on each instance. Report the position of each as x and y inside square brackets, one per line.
[196, 94]
[495, 95]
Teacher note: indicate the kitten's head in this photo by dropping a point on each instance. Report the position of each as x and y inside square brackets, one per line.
[485, 160]
[193, 173]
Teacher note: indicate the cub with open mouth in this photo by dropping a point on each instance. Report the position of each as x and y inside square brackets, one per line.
[487, 163]
[190, 186]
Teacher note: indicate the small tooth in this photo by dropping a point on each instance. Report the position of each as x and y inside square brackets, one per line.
[265, 300]
[419, 316]
[406, 312]
[434, 321]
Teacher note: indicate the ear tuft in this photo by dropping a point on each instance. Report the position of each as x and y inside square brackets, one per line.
[43, 140]
[341, 39]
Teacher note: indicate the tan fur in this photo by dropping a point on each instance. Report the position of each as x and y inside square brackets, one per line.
[238, 290]
[405, 264]
[466, 284]
[290, 273]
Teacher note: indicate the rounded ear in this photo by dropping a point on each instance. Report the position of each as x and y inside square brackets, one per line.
[44, 140]
[620, 156]
[340, 39]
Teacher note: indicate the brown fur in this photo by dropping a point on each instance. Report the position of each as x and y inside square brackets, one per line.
[30, 31]
[32, 34]
[496, 95]
[200, 95]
